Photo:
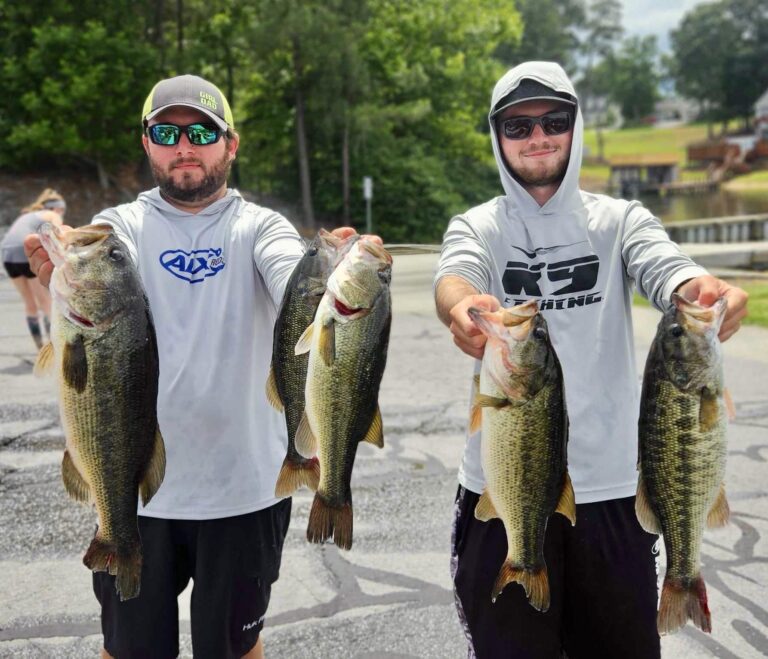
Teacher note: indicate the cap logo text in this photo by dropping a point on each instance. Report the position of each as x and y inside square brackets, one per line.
[208, 100]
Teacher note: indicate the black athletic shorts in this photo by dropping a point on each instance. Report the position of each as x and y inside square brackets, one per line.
[602, 580]
[233, 563]
[15, 270]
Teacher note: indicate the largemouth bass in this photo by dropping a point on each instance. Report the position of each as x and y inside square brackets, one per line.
[288, 374]
[104, 354]
[682, 450]
[347, 345]
[520, 406]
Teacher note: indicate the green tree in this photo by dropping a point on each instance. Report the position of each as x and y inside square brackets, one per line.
[424, 129]
[630, 77]
[401, 96]
[602, 30]
[550, 32]
[701, 46]
[745, 71]
[62, 81]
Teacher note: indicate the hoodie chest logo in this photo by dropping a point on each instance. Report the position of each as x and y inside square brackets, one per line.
[195, 266]
[568, 279]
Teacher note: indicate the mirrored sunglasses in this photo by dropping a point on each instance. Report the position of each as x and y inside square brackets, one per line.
[552, 123]
[197, 134]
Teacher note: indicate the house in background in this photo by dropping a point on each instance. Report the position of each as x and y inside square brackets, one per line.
[761, 116]
[676, 109]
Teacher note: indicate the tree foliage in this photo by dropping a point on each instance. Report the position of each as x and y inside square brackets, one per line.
[550, 32]
[719, 55]
[324, 92]
[630, 77]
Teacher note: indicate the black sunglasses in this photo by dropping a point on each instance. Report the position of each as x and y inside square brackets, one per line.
[197, 134]
[552, 123]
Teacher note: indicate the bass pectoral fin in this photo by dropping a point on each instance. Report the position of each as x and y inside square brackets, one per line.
[44, 361]
[74, 483]
[304, 343]
[567, 504]
[375, 434]
[645, 514]
[305, 440]
[709, 410]
[155, 471]
[75, 364]
[475, 419]
[485, 510]
[730, 406]
[273, 395]
[720, 512]
[327, 342]
[482, 400]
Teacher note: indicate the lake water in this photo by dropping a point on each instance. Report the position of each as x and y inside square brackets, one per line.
[718, 203]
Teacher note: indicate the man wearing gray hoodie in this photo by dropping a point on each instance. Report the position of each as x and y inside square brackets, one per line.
[580, 255]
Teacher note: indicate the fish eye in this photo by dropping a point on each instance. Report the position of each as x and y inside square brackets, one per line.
[116, 254]
[540, 333]
[312, 251]
[676, 330]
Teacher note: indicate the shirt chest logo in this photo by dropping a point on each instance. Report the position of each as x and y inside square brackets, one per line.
[562, 283]
[195, 266]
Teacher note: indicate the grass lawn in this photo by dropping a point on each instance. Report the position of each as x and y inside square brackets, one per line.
[758, 300]
[757, 181]
[641, 141]
[646, 140]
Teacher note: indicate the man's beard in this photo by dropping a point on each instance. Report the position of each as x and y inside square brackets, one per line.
[534, 179]
[214, 178]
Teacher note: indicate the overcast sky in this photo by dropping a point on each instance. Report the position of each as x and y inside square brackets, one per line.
[658, 17]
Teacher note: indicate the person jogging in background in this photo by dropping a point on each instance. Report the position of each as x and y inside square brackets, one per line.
[48, 207]
[214, 268]
[579, 255]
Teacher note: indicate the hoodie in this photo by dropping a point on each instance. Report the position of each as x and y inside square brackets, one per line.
[214, 281]
[580, 255]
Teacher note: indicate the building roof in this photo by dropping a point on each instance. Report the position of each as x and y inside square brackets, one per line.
[645, 160]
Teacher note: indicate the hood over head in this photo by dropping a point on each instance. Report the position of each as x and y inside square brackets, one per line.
[535, 81]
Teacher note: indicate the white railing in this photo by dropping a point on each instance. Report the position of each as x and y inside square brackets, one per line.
[720, 229]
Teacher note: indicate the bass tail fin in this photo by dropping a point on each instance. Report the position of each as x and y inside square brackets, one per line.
[294, 474]
[124, 564]
[680, 602]
[535, 582]
[326, 520]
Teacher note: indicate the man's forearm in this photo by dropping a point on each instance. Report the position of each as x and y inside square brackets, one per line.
[449, 292]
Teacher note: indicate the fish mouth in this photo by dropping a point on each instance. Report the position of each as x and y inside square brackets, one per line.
[344, 310]
[698, 318]
[376, 250]
[520, 314]
[93, 234]
[80, 320]
[515, 322]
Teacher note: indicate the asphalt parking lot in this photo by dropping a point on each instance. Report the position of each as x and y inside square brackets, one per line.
[390, 596]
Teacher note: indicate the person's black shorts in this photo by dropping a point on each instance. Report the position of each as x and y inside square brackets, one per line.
[233, 563]
[602, 580]
[15, 270]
